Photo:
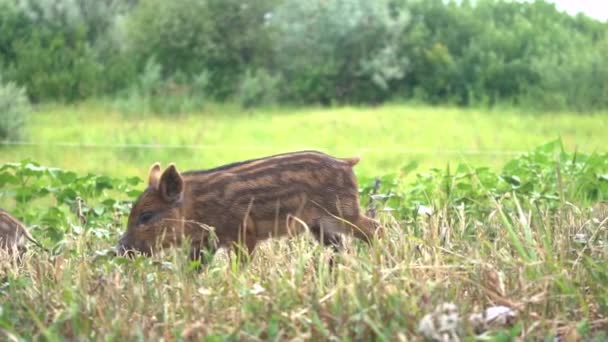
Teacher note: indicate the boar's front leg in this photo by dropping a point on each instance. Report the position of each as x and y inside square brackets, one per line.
[327, 239]
[245, 244]
[203, 251]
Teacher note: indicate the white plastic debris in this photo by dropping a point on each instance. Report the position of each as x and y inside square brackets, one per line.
[424, 210]
[443, 324]
[203, 291]
[256, 289]
[581, 238]
[492, 317]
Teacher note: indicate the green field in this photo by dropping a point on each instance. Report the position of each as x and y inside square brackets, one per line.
[530, 236]
[386, 138]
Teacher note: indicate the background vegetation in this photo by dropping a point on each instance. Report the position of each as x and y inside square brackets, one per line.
[305, 52]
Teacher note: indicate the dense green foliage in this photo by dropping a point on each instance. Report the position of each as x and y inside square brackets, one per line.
[525, 238]
[338, 50]
[489, 52]
[76, 200]
[64, 50]
[544, 178]
[507, 51]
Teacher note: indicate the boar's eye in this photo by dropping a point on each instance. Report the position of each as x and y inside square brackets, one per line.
[146, 217]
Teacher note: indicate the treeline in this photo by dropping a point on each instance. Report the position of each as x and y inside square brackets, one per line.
[305, 51]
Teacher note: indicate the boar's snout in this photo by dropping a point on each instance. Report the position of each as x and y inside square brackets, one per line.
[127, 247]
[121, 250]
[124, 248]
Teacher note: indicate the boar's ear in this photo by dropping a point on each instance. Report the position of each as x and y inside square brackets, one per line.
[171, 185]
[154, 176]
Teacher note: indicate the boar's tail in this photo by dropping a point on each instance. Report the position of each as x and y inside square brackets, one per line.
[351, 161]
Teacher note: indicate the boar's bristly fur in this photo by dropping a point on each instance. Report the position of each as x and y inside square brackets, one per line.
[247, 202]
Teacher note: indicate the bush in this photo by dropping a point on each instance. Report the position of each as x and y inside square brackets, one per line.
[258, 88]
[192, 36]
[498, 51]
[14, 110]
[338, 50]
[574, 79]
[58, 49]
[152, 94]
[483, 52]
[175, 34]
[48, 50]
[107, 27]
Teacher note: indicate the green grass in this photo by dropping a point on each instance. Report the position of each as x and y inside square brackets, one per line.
[386, 138]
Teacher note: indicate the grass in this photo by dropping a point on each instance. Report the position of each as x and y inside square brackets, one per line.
[386, 138]
[287, 291]
[545, 258]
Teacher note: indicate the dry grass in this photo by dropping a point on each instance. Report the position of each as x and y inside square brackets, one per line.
[551, 267]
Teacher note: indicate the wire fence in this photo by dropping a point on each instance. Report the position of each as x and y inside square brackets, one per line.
[384, 150]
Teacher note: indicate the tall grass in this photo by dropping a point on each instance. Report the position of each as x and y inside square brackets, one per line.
[532, 239]
[288, 292]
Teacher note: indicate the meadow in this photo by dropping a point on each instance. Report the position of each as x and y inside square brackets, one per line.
[481, 209]
[102, 140]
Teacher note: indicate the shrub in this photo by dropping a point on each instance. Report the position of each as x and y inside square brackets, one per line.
[64, 50]
[574, 79]
[50, 52]
[192, 36]
[151, 94]
[258, 88]
[175, 34]
[14, 110]
[338, 50]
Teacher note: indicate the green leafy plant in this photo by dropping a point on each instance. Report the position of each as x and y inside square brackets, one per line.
[544, 177]
[73, 203]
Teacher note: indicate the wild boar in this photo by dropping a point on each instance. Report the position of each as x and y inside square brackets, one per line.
[12, 234]
[246, 202]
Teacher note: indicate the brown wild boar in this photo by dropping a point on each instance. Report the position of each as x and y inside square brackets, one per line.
[12, 234]
[246, 202]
